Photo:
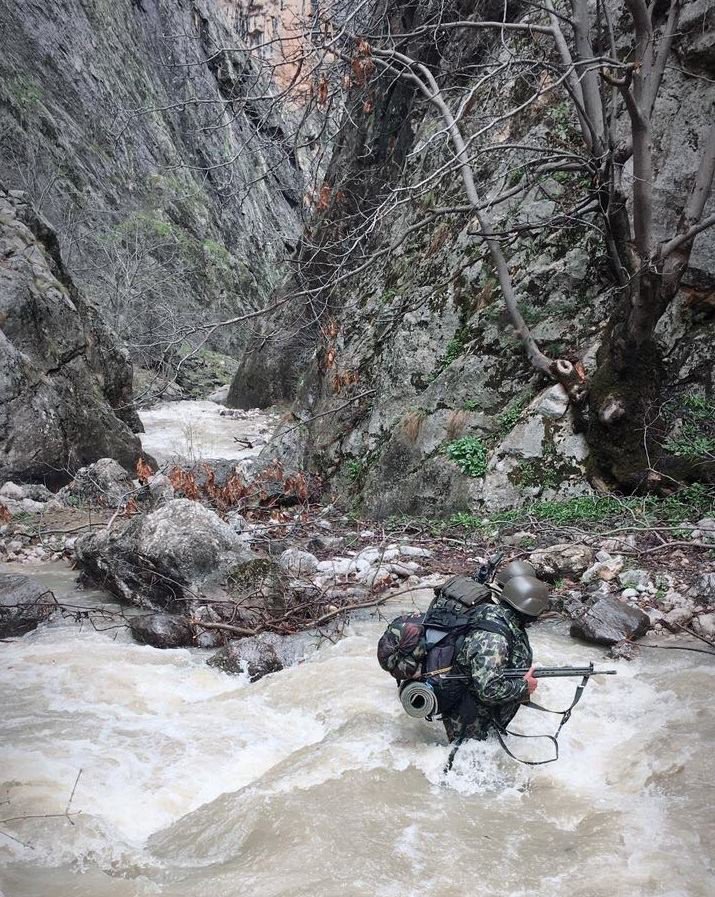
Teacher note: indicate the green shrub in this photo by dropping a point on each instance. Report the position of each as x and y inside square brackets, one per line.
[695, 439]
[469, 454]
[355, 469]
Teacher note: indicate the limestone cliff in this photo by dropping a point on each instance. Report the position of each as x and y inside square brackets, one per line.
[65, 383]
[173, 196]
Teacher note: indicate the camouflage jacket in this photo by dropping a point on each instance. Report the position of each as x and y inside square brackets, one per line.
[484, 655]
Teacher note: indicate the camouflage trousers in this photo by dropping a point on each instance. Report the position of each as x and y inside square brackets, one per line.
[476, 720]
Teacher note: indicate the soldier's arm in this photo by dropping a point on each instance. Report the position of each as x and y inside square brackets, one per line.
[487, 655]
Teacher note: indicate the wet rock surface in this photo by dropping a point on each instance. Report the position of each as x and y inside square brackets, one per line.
[267, 653]
[608, 621]
[161, 630]
[24, 604]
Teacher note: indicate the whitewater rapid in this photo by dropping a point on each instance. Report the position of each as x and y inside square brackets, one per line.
[314, 782]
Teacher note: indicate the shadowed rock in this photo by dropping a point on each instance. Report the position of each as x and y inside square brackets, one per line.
[161, 630]
[24, 604]
[65, 384]
[609, 620]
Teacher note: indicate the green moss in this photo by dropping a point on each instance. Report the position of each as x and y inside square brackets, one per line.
[508, 418]
[25, 92]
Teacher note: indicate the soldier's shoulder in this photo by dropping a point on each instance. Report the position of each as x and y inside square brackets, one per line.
[493, 613]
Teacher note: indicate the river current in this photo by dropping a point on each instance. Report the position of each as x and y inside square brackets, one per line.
[313, 782]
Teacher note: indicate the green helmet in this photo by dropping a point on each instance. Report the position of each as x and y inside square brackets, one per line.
[515, 568]
[527, 594]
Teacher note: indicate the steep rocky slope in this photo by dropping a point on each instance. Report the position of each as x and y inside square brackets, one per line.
[126, 122]
[410, 378]
[65, 383]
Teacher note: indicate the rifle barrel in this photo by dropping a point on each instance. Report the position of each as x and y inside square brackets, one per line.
[559, 672]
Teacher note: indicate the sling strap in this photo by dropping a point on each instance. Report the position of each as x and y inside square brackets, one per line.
[501, 731]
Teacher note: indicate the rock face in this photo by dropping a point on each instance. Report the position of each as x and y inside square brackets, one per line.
[609, 620]
[24, 604]
[65, 385]
[111, 120]
[172, 558]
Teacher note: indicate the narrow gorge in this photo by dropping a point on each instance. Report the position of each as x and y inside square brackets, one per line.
[308, 311]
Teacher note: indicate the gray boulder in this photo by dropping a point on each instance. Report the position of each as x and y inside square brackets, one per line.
[704, 590]
[298, 563]
[635, 579]
[161, 630]
[104, 484]
[609, 620]
[35, 492]
[178, 556]
[570, 561]
[24, 604]
[65, 384]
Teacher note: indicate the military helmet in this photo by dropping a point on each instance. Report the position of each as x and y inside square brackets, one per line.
[526, 594]
[515, 568]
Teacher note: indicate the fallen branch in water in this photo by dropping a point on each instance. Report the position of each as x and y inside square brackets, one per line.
[66, 815]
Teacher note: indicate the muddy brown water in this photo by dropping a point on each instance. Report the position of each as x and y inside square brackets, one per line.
[314, 782]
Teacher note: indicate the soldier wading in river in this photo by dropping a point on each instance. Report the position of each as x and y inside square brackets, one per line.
[495, 641]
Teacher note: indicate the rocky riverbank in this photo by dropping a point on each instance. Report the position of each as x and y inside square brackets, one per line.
[240, 557]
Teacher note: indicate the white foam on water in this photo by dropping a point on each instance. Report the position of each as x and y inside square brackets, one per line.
[193, 430]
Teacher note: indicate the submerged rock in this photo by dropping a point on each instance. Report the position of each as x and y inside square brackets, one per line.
[609, 620]
[24, 604]
[251, 656]
[268, 652]
[161, 630]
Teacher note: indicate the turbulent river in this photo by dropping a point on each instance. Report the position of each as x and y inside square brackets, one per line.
[314, 783]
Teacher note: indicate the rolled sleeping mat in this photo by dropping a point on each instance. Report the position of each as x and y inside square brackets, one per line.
[418, 699]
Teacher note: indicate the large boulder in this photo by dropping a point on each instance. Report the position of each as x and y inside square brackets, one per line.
[65, 384]
[564, 560]
[24, 604]
[177, 557]
[609, 620]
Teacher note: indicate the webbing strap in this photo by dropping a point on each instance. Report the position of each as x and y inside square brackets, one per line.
[554, 739]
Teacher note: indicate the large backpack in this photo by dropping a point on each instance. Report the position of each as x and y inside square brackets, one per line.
[425, 646]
